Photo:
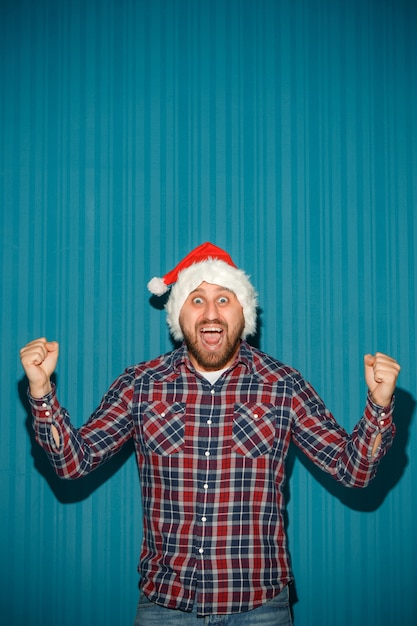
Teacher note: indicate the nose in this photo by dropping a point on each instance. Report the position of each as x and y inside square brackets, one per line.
[211, 311]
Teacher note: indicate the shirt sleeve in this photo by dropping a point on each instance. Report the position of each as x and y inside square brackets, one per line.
[81, 450]
[349, 458]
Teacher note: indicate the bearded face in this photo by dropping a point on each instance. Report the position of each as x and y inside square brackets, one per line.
[212, 323]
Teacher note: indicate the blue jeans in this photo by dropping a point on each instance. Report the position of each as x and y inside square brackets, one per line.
[276, 612]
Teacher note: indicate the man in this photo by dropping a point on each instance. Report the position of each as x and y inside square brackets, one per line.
[212, 422]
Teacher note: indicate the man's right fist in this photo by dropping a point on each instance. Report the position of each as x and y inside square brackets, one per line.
[39, 358]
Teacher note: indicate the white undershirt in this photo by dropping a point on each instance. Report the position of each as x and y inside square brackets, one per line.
[212, 376]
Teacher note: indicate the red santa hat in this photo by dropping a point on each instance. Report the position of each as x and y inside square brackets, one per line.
[210, 264]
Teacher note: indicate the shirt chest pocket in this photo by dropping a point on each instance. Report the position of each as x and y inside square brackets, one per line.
[253, 429]
[164, 427]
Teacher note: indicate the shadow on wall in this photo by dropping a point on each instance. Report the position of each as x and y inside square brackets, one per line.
[70, 491]
[390, 471]
[391, 468]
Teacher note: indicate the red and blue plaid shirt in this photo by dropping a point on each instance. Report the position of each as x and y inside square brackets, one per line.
[211, 462]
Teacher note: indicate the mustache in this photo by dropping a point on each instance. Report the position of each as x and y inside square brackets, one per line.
[214, 322]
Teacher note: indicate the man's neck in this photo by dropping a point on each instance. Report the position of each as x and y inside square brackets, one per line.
[212, 376]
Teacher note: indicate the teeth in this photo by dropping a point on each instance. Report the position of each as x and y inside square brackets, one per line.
[211, 330]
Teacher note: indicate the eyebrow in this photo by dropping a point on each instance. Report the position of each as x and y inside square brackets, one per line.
[218, 289]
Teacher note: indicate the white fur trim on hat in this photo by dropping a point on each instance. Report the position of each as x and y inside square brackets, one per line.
[215, 272]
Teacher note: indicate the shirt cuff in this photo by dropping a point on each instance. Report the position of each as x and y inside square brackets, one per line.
[380, 416]
[46, 411]
[46, 407]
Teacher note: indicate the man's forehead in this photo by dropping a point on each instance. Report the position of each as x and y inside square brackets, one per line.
[204, 287]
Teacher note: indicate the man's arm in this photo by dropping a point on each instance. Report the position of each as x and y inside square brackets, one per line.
[74, 452]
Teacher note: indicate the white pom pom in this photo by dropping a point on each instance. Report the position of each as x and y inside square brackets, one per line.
[157, 286]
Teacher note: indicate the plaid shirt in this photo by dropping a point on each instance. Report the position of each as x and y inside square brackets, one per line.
[211, 462]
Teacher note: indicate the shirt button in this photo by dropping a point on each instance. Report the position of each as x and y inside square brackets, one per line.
[255, 415]
[212, 392]
[47, 413]
[382, 414]
[204, 519]
[207, 453]
[162, 414]
[381, 423]
[209, 422]
[206, 486]
[44, 405]
[201, 551]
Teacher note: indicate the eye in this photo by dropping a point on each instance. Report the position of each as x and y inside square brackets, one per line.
[223, 300]
[197, 300]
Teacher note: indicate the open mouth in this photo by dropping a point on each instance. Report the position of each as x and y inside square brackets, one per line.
[211, 336]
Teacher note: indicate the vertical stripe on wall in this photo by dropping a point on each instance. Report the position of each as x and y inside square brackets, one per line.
[132, 130]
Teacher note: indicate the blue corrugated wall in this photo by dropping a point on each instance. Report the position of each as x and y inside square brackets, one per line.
[130, 131]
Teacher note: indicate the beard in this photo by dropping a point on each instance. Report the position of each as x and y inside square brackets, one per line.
[211, 361]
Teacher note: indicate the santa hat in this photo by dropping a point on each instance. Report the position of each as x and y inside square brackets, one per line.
[210, 264]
